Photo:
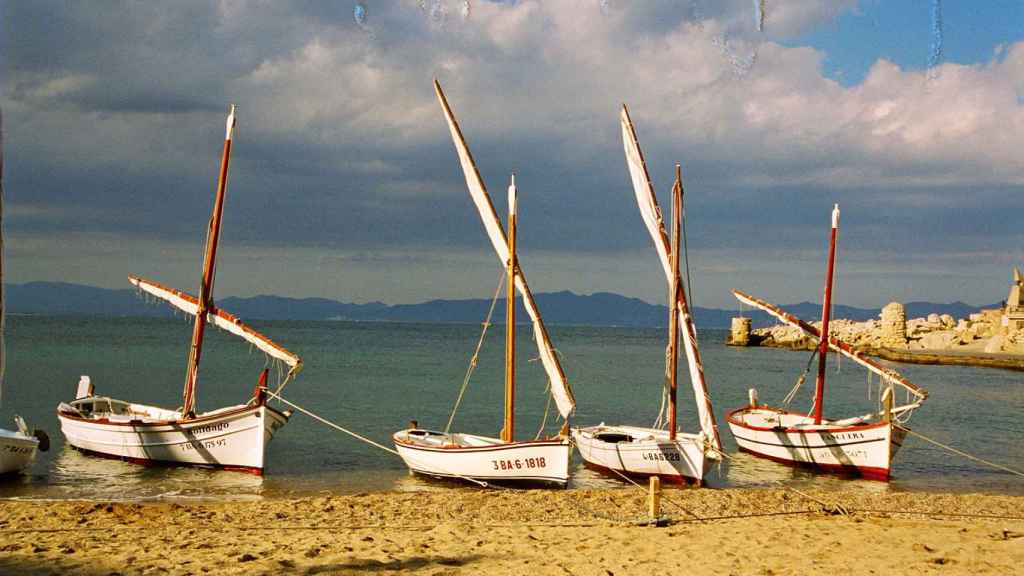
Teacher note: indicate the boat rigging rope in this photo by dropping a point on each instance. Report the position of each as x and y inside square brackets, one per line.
[962, 453]
[547, 409]
[800, 381]
[476, 354]
[362, 438]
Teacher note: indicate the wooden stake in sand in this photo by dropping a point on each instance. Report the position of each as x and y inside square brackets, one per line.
[654, 499]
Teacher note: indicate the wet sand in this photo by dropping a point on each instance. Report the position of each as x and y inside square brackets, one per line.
[466, 531]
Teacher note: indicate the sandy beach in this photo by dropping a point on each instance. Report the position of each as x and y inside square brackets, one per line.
[516, 532]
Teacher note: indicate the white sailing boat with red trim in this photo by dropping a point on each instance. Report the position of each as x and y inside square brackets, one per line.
[659, 451]
[233, 437]
[18, 448]
[862, 445]
[484, 458]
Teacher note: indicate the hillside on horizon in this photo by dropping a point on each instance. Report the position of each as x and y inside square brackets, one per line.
[564, 308]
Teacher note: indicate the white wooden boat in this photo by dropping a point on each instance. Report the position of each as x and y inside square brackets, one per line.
[482, 458]
[863, 445]
[665, 452]
[233, 437]
[460, 456]
[18, 447]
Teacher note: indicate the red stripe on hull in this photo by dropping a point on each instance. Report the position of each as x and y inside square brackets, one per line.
[865, 472]
[678, 479]
[169, 463]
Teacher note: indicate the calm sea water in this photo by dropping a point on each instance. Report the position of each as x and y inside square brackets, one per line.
[375, 377]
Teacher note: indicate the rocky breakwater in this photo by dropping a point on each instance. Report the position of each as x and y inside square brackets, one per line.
[981, 339]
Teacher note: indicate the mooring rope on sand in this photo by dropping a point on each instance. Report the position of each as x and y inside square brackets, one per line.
[330, 424]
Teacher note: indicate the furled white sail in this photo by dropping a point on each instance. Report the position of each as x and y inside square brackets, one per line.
[560, 389]
[835, 344]
[651, 214]
[221, 319]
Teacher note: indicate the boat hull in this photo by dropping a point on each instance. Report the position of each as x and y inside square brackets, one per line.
[865, 450]
[463, 456]
[234, 438]
[17, 451]
[643, 452]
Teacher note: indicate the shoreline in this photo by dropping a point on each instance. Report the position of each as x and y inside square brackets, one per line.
[998, 360]
[512, 532]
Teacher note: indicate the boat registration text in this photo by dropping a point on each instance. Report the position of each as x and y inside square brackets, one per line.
[519, 463]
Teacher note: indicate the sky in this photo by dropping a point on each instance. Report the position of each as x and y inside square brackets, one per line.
[344, 183]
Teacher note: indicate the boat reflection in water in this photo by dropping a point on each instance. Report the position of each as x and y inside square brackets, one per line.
[88, 478]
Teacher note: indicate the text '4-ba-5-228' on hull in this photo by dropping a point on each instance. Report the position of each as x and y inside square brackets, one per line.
[661, 450]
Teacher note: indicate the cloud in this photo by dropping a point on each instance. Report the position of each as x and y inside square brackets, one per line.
[341, 144]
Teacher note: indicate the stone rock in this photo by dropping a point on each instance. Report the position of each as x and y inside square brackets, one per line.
[938, 340]
[740, 333]
[947, 321]
[976, 317]
[894, 326]
[994, 345]
[933, 318]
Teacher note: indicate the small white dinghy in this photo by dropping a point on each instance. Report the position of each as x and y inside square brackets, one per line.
[481, 458]
[233, 437]
[18, 447]
[862, 446]
[668, 453]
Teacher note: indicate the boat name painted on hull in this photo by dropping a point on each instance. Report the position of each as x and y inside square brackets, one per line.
[18, 449]
[670, 457]
[843, 436]
[519, 463]
[209, 428]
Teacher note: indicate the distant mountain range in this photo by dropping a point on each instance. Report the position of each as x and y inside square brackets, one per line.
[598, 309]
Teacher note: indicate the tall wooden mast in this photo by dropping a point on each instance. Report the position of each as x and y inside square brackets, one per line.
[826, 308]
[508, 431]
[673, 317]
[209, 267]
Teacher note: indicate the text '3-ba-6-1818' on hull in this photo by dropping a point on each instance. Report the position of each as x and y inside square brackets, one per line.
[233, 437]
[482, 459]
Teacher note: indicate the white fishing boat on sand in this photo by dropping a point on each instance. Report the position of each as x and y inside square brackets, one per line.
[500, 459]
[18, 448]
[232, 437]
[861, 445]
[662, 450]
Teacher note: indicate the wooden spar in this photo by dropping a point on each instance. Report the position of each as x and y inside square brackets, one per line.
[209, 265]
[835, 343]
[673, 317]
[492, 224]
[508, 432]
[819, 387]
[661, 240]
